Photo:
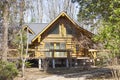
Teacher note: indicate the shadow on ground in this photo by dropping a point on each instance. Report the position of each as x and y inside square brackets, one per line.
[88, 73]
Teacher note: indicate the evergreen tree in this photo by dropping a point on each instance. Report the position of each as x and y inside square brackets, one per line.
[108, 13]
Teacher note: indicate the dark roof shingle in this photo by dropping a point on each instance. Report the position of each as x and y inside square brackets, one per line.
[36, 28]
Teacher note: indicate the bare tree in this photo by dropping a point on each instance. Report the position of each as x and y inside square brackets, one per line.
[46, 10]
[22, 4]
[5, 27]
[40, 10]
[9, 16]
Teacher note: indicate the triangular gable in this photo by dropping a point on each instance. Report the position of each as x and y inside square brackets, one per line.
[62, 14]
[30, 30]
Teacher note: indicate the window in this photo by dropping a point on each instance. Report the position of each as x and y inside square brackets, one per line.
[60, 46]
[68, 29]
[49, 46]
[54, 30]
[56, 46]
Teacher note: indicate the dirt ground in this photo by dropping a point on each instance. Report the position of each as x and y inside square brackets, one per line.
[93, 73]
[32, 74]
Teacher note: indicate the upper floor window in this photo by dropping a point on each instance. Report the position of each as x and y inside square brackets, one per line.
[68, 29]
[49, 45]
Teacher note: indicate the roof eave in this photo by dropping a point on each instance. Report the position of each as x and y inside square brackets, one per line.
[30, 30]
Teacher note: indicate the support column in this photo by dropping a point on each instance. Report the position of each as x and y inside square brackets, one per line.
[76, 62]
[53, 63]
[53, 60]
[94, 53]
[70, 59]
[67, 63]
[40, 63]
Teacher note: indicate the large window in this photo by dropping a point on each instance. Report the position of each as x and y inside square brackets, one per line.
[54, 29]
[68, 29]
[60, 46]
[55, 46]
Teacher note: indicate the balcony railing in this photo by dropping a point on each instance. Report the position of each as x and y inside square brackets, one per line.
[56, 53]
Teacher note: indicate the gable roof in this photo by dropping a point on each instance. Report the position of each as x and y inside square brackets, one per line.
[61, 14]
[38, 28]
[34, 28]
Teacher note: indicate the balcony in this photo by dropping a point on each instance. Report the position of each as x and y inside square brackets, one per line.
[56, 53]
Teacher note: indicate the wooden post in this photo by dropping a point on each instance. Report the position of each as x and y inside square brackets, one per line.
[53, 63]
[53, 60]
[69, 59]
[76, 63]
[94, 57]
[39, 64]
[67, 63]
[39, 39]
[94, 53]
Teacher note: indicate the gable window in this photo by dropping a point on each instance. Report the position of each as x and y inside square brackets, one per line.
[54, 29]
[68, 29]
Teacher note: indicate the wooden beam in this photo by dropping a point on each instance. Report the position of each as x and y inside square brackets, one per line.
[12, 50]
[17, 49]
[39, 39]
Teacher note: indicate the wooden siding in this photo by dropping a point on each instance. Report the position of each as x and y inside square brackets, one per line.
[55, 39]
[61, 37]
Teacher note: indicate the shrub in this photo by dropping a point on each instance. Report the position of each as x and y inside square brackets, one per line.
[8, 70]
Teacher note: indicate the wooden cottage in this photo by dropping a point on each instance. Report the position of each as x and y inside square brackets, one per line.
[60, 43]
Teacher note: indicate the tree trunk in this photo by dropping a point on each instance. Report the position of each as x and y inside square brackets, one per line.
[5, 33]
[21, 48]
[22, 4]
